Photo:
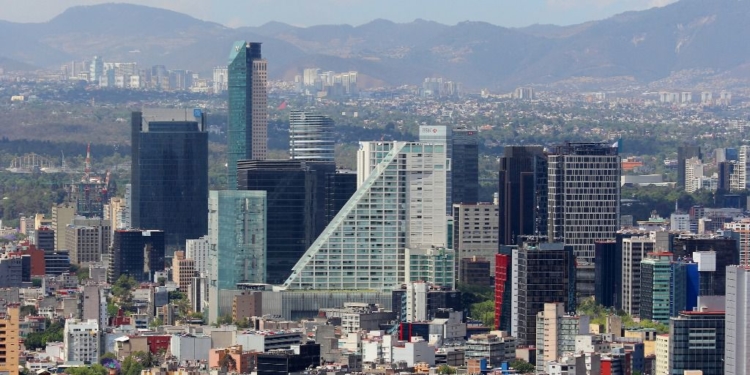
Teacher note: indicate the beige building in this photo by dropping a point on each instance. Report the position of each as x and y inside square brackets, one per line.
[662, 354]
[742, 227]
[475, 232]
[62, 216]
[634, 250]
[183, 270]
[9, 336]
[87, 240]
[247, 305]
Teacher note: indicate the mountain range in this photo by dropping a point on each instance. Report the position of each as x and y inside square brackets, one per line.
[642, 46]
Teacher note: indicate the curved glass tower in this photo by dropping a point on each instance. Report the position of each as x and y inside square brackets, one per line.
[311, 137]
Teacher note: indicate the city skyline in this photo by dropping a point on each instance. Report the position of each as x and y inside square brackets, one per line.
[358, 12]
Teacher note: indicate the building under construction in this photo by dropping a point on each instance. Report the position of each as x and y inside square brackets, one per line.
[90, 193]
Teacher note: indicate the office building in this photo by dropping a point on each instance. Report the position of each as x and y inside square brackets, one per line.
[364, 246]
[584, 202]
[95, 303]
[696, 342]
[494, 348]
[170, 174]
[503, 289]
[736, 361]
[247, 121]
[82, 341]
[475, 271]
[684, 153]
[44, 238]
[289, 361]
[634, 250]
[667, 287]
[9, 340]
[62, 215]
[11, 271]
[556, 333]
[96, 70]
[295, 198]
[522, 194]
[421, 301]
[220, 79]
[87, 239]
[237, 240]
[724, 175]
[475, 230]
[693, 174]
[441, 135]
[608, 273]
[197, 250]
[137, 253]
[183, 271]
[742, 229]
[311, 137]
[340, 186]
[712, 274]
[434, 265]
[465, 166]
[543, 273]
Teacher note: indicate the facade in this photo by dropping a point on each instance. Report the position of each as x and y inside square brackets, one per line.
[503, 289]
[693, 174]
[495, 348]
[197, 250]
[247, 122]
[475, 271]
[137, 253]
[295, 198]
[340, 186]
[311, 137]
[543, 273]
[87, 239]
[183, 270]
[736, 361]
[475, 231]
[522, 194]
[658, 278]
[742, 228]
[435, 265]
[442, 135]
[292, 361]
[556, 333]
[62, 215]
[247, 305]
[170, 174]
[11, 271]
[9, 339]
[607, 273]
[684, 153]
[696, 342]
[237, 245]
[712, 274]
[662, 354]
[584, 201]
[400, 204]
[465, 166]
[82, 341]
[634, 250]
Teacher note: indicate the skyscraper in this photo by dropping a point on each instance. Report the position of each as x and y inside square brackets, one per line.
[441, 134]
[634, 250]
[311, 137]
[400, 203]
[543, 273]
[583, 202]
[237, 245]
[685, 152]
[137, 253]
[736, 361]
[247, 121]
[296, 197]
[340, 186]
[465, 166]
[522, 193]
[170, 174]
[696, 342]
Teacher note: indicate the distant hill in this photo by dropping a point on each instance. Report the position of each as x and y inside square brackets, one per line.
[646, 45]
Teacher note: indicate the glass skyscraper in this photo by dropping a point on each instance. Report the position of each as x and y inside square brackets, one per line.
[170, 174]
[311, 137]
[296, 199]
[399, 204]
[465, 168]
[237, 244]
[522, 193]
[247, 120]
[137, 253]
[696, 342]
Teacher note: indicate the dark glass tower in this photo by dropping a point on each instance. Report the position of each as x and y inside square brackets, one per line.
[340, 186]
[685, 152]
[696, 342]
[465, 166]
[522, 193]
[170, 174]
[296, 213]
[137, 253]
[608, 273]
[247, 120]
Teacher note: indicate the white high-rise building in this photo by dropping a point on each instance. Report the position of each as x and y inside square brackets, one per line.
[197, 250]
[693, 175]
[634, 250]
[311, 137]
[220, 79]
[742, 228]
[400, 203]
[737, 332]
[738, 180]
[81, 340]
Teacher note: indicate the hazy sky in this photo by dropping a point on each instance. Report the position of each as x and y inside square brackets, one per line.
[235, 13]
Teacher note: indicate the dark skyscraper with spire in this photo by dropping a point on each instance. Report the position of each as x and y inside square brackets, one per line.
[247, 121]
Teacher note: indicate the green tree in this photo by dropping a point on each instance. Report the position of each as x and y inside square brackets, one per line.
[28, 310]
[107, 355]
[484, 311]
[95, 369]
[130, 366]
[522, 367]
[445, 369]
